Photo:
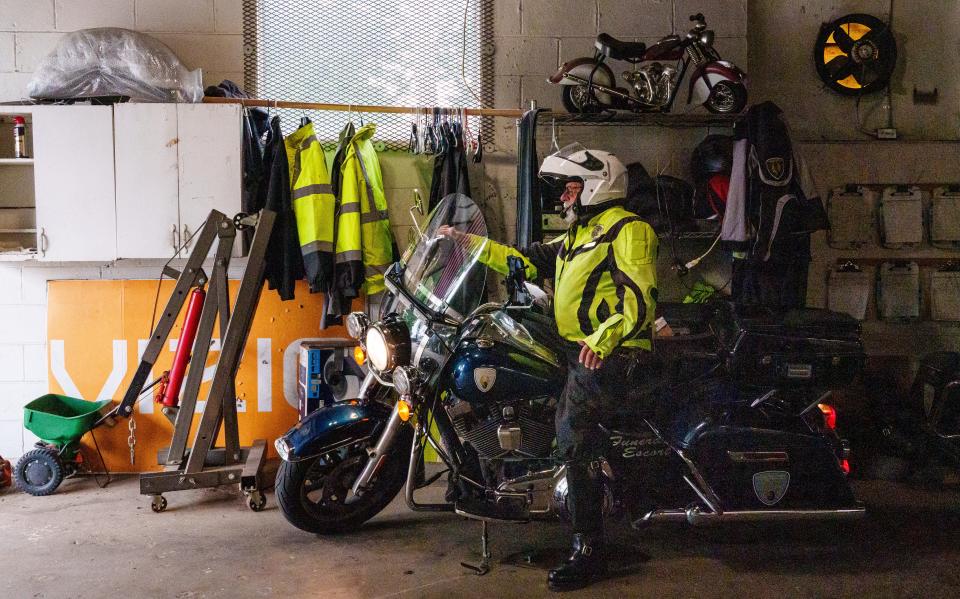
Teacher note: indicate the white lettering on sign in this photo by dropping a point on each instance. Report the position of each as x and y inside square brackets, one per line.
[111, 386]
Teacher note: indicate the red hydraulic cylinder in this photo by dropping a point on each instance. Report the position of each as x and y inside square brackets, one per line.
[171, 395]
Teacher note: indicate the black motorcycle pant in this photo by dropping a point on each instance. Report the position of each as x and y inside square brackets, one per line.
[591, 398]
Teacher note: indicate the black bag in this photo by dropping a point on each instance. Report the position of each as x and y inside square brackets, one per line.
[802, 347]
[666, 203]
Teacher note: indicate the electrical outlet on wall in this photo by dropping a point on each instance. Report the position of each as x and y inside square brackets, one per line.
[886, 133]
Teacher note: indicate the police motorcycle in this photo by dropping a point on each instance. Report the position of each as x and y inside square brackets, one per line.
[741, 432]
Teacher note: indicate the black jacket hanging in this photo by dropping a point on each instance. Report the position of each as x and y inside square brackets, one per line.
[284, 260]
[449, 167]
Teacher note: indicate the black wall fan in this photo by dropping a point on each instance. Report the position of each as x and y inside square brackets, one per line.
[855, 54]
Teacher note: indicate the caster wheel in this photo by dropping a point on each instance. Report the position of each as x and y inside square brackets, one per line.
[158, 504]
[257, 501]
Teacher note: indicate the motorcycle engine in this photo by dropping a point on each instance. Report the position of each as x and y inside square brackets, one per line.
[504, 429]
[652, 83]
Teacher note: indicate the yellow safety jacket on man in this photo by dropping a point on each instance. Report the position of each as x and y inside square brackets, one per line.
[313, 205]
[364, 243]
[605, 275]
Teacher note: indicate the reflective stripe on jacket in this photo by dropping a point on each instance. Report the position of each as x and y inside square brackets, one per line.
[605, 275]
[364, 244]
[313, 205]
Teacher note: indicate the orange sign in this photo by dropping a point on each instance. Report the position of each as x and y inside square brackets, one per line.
[98, 329]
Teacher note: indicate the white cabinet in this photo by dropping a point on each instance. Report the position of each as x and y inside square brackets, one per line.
[148, 219]
[74, 183]
[210, 164]
[175, 163]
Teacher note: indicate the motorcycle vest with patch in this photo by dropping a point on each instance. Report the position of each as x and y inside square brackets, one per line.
[605, 274]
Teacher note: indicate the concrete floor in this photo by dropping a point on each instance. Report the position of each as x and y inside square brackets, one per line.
[90, 542]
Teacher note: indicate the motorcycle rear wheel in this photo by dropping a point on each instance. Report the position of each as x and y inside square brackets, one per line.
[727, 97]
[576, 100]
[311, 493]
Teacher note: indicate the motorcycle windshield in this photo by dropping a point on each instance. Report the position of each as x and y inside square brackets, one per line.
[443, 274]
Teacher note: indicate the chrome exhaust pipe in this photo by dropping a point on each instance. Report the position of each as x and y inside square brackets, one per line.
[696, 516]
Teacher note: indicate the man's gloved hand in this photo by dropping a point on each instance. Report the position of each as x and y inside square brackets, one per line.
[451, 232]
[588, 358]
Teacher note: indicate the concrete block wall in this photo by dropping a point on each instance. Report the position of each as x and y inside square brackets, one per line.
[203, 33]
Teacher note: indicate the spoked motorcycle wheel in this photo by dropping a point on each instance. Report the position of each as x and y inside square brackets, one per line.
[727, 97]
[312, 493]
[576, 99]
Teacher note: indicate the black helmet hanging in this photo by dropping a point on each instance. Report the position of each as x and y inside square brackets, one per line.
[712, 156]
[710, 166]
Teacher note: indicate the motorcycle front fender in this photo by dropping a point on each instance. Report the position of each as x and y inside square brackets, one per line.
[707, 75]
[330, 427]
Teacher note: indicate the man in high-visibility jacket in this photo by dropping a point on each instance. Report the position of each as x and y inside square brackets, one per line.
[605, 294]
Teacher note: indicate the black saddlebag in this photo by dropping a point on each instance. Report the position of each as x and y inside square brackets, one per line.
[800, 347]
[751, 468]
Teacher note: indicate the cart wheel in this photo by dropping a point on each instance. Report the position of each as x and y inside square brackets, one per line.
[158, 504]
[257, 501]
[39, 472]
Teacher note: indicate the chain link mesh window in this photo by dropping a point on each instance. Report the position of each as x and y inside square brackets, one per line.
[375, 52]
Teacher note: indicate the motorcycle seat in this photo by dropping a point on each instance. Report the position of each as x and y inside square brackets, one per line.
[616, 49]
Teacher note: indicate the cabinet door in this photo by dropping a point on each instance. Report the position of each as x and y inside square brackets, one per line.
[148, 221]
[210, 164]
[73, 176]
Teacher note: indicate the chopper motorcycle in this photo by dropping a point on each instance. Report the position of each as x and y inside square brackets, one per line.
[589, 84]
[744, 436]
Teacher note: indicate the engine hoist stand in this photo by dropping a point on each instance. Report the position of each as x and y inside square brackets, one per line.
[201, 465]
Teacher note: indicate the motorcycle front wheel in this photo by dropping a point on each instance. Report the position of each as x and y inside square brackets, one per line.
[727, 97]
[312, 493]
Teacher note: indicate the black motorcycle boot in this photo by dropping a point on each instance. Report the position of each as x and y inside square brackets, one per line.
[585, 565]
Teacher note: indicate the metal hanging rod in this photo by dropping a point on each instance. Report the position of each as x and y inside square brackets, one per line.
[492, 112]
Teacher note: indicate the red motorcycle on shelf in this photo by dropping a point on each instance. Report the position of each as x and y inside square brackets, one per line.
[589, 84]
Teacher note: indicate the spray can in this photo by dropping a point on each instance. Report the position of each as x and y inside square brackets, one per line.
[19, 137]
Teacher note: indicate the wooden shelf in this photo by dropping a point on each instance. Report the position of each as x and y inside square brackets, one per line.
[18, 230]
[16, 161]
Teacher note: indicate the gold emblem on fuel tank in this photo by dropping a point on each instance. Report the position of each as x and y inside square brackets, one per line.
[484, 378]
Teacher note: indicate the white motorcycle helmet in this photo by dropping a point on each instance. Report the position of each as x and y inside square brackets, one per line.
[603, 175]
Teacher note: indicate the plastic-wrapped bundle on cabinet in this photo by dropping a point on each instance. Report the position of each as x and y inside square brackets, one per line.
[898, 291]
[848, 291]
[110, 61]
[945, 217]
[945, 294]
[901, 217]
[850, 210]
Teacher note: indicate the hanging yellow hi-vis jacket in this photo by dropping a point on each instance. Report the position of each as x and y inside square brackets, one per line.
[364, 243]
[313, 205]
[605, 279]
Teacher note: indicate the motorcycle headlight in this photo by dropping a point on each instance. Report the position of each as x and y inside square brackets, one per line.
[404, 379]
[357, 323]
[283, 448]
[388, 345]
